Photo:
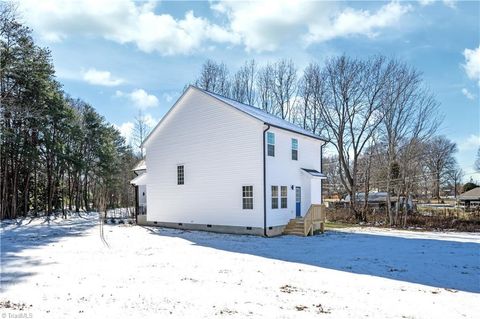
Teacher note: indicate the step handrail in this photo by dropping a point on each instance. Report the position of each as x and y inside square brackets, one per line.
[316, 213]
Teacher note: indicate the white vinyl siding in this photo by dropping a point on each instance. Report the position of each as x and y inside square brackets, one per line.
[283, 171]
[221, 150]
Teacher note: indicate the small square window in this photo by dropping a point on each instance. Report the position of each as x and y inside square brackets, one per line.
[271, 150]
[270, 138]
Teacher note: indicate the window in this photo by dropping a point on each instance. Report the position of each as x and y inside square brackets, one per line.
[271, 144]
[180, 175]
[294, 149]
[274, 197]
[247, 197]
[283, 190]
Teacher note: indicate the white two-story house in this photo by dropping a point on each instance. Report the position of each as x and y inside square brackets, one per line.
[215, 164]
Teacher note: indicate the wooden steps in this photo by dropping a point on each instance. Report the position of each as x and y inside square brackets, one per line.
[295, 227]
[313, 220]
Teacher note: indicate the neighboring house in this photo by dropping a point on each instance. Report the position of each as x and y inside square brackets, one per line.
[470, 198]
[378, 199]
[220, 165]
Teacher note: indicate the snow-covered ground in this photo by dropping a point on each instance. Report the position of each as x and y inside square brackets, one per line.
[62, 269]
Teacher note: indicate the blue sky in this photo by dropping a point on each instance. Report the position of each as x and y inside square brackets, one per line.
[122, 56]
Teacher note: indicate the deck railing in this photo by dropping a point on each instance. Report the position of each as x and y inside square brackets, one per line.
[314, 219]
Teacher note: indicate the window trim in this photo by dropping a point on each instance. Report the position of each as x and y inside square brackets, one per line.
[283, 197]
[244, 207]
[294, 149]
[271, 144]
[274, 199]
[183, 174]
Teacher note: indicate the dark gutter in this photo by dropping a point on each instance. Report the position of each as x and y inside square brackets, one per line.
[265, 183]
[321, 171]
[137, 208]
[297, 132]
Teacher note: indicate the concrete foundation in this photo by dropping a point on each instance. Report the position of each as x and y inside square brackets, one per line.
[271, 231]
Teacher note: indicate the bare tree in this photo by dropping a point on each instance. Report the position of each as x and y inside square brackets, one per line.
[312, 92]
[351, 113]
[243, 83]
[440, 160]
[284, 87]
[477, 161]
[331, 169]
[455, 177]
[140, 131]
[264, 88]
[409, 115]
[214, 78]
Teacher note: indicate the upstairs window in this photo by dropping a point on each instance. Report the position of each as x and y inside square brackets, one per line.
[180, 175]
[271, 144]
[247, 197]
[283, 190]
[274, 197]
[294, 149]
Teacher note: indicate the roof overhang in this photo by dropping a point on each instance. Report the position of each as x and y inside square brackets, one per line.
[139, 180]
[314, 173]
[140, 166]
[317, 137]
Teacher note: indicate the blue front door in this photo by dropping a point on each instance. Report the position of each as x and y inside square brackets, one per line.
[298, 201]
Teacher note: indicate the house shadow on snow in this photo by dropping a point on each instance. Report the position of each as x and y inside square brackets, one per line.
[431, 262]
[16, 237]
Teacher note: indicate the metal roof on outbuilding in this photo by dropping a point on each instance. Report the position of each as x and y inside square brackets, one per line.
[473, 194]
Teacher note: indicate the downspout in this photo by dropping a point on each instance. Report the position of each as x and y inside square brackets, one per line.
[321, 171]
[135, 187]
[265, 183]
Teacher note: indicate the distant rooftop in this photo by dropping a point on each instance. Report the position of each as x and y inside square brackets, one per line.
[473, 194]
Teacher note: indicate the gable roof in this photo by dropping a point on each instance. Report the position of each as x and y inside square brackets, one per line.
[473, 194]
[252, 111]
[262, 115]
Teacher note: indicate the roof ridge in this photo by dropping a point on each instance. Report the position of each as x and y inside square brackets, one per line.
[287, 125]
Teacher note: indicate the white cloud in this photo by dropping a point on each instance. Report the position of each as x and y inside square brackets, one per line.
[150, 120]
[426, 2]
[449, 3]
[167, 97]
[140, 98]
[126, 130]
[471, 143]
[359, 22]
[472, 63]
[258, 25]
[467, 94]
[105, 78]
[122, 21]
[265, 25]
